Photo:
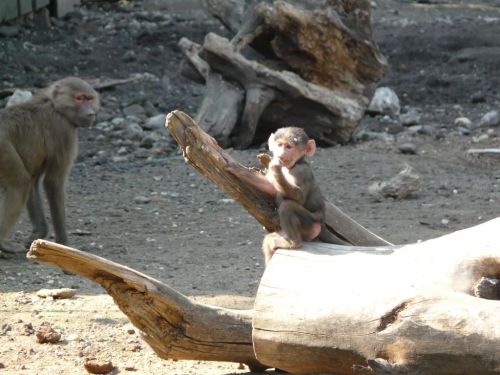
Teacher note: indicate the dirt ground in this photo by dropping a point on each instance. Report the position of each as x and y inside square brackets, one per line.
[158, 216]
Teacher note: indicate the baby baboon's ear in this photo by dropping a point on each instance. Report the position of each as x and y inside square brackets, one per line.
[310, 147]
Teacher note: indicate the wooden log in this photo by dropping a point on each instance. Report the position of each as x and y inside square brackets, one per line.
[299, 101]
[327, 308]
[410, 309]
[222, 102]
[202, 152]
[305, 63]
[173, 325]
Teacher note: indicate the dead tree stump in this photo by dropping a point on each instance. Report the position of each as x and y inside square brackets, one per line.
[308, 63]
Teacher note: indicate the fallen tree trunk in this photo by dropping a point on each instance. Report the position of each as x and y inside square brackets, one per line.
[409, 309]
[327, 308]
[305, 63]
[202, 152]
[173, 325]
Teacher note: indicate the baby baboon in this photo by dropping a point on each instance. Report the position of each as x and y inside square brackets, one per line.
[38, 142]
[289, 179]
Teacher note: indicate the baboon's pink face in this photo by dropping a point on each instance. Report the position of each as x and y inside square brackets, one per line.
[286, 153]
[76, 100]
[86, 109]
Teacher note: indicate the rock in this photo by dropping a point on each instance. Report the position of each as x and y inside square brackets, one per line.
[408, 148]
[492, 118]
[134, 131]
[412, 117]
[478, 97]
[398, 187]
[45, 334]
[129, 56]
[464, 131]
[142, 199]
[95, 366]
[463, 122]
[27, 330]
[421, 129]
[386, 102]
[61, 293]
[134, 110]
[4, 329]
[367, 135]
[142, 153]
[19, 96]
[480, 138]
[117, 122]
[155, 123]
[148, 141]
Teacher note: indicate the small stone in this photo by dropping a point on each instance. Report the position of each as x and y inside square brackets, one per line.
[4, 329]
[155, 123]
[134, 110]
[18, 97]
[142, 200]
[148, 141]
[463, 122]
[408, 148]
[492, 118]
[412, 117]
[45, 334]
[73, 337]
[27, 330]
[95, 366]
[117, 121]
[480, 138]
[61, 293]
[478, 97]
[385, 101]
[134, 131]
[129, 56]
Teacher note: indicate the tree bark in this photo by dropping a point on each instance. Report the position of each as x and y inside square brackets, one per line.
[202, 152]
[305, 63]
[173, 325]
[410, 309]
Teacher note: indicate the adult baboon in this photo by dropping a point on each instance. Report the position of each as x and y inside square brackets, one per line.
[38, 143]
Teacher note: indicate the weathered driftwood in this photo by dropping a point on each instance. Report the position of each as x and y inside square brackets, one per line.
[408, 309]
[491, 151]
[97, 83]
[327, 308]
[202, 152]
[173, 325]
[306, 63]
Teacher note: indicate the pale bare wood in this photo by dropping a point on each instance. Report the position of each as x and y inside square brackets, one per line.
[106, 83]
[491, 151]
[309, 63]
[97, 83]
[202, 152]
[173, 325]
[327, 308]
[409, 309]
